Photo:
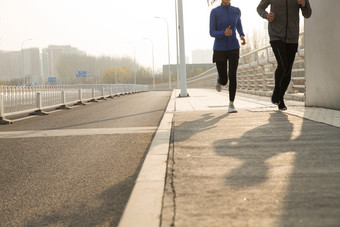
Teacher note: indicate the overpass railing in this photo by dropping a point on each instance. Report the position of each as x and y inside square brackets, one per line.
[255, 74]
[35, 99]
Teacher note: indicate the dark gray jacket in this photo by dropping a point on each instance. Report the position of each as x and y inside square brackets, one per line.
[286, 22]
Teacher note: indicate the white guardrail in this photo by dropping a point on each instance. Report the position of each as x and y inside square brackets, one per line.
[255, 74]
[36, 99]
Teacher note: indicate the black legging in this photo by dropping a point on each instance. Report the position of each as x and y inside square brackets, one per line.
[285, 55]
[222, 66]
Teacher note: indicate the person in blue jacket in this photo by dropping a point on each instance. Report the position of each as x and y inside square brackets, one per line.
[224, 21]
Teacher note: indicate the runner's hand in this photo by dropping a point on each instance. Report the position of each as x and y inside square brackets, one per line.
[228, 32]
[243, 40]
[301, 2]
[271, 16]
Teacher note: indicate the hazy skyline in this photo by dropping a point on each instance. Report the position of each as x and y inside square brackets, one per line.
[113, 28]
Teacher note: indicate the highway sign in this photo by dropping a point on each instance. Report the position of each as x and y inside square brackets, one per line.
[81, 74]
[52, 79]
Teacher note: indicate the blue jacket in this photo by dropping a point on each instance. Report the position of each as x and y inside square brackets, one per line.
[221, 18]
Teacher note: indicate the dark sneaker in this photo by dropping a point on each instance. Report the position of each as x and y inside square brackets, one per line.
[282, 106]
[218, 86]
[275, 97]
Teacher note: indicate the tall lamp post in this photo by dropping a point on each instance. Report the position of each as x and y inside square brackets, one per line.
[167, 26]
[153, 63]
[22, 59]
[184, 92]
[177, 54]
[134, 61]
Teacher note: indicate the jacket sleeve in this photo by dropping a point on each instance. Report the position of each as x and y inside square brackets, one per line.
[213, 26]
[239, 26]
[307, 10]
[261, 8]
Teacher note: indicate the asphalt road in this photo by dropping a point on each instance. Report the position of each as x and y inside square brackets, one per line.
[76, 167]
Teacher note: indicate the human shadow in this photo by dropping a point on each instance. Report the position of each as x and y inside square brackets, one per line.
[254, 148]
[312, 195]
[206, 122]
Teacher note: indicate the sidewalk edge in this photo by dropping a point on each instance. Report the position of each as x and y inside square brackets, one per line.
[145, 203]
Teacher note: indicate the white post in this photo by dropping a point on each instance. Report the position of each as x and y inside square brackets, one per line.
[39, 102]
[182, 50]
[167, 27]
[177, 44]
[93, 93]
[63, 97]
[1, 105]
[153, 63]
[3, 120]
[134, 62]
[80, 95]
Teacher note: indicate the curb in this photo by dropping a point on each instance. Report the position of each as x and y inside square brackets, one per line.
[145, 203]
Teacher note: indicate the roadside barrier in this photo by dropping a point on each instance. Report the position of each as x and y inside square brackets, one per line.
[36, 99]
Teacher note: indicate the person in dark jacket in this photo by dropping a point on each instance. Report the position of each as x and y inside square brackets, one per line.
[224, 21]
[283, 29]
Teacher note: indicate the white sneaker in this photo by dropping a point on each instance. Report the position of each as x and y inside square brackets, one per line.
[218, 86]
[232, 108]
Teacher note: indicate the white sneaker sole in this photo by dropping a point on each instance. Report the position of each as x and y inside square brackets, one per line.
[232, 110]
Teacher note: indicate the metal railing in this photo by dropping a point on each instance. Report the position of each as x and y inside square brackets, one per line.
[35, 99]
[255, 74]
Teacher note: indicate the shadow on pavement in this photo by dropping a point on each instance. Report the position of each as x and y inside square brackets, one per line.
[312, 189]
[206, 122]
[108, 213]
[254, 148]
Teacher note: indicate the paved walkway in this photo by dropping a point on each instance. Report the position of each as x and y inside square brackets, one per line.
[257, 167]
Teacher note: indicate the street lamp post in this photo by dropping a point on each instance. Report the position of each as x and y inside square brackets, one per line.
[177, 54]
[153, 63]
[167, 26]
[22, 60]
[134, 61]
[184, 92]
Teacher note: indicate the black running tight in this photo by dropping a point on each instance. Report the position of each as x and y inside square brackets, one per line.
[222, 68]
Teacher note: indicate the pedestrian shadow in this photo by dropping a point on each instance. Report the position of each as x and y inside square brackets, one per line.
[254, 148]
[206, 122]
[311, 196]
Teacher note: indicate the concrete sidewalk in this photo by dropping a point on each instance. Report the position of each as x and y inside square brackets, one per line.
[257, 167]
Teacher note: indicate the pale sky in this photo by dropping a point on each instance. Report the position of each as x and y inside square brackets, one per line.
[113, 27]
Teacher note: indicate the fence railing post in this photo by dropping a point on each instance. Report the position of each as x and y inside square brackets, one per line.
[80, 98]
[3, 120]
[93, 96]
[103, 95]
[63, 100]
[39, 105]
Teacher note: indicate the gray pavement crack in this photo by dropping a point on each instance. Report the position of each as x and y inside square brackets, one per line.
[169, 199]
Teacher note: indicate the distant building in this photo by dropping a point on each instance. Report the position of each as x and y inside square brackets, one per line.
[12, 64]
[202, 56]
[50, 58]
[32, 66]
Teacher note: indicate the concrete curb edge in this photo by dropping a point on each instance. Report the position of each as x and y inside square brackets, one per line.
[145, 203]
